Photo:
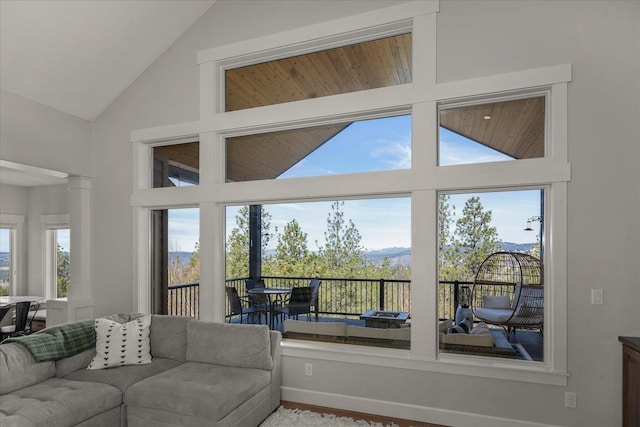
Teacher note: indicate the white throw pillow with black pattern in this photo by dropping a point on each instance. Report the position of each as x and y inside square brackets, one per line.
[119, 344]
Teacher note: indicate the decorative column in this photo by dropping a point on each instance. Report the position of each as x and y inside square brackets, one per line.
[79, 303]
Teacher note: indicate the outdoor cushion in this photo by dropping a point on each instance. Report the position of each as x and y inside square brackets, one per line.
[337, 329]
[501, 301]
[19, 369]
[199, 390]
[57, 402]
[468, 339]
[218, 343]
[403, 334]
[494, 315]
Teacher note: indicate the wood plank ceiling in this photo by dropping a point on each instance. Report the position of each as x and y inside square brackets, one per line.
[515, 128]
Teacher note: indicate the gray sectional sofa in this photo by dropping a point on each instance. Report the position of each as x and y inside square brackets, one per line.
[201, 374]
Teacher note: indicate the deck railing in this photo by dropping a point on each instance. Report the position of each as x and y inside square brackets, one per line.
[338, 297]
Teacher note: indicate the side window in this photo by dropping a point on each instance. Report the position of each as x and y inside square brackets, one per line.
[57, 254]
[7, 263]
[58, 261]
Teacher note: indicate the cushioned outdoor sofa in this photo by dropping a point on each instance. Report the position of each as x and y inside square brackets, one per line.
[199, 374]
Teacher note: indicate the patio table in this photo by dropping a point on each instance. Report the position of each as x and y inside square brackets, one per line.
[273, 295]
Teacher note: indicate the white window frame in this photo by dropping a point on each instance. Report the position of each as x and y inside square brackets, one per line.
[422, 182]
[15, 223]
[50, 224]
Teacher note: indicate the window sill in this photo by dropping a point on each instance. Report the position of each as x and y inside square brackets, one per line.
[476, 366]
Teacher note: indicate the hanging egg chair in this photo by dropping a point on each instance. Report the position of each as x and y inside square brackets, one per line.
[508, 291]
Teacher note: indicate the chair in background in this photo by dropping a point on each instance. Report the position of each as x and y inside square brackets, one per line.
[261, 301]
[315, 286]
[237, 308]
[299, 303]
[22, 323]
[521, 308]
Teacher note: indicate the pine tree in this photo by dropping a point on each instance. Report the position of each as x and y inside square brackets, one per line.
[475, 238]
[342, 254]
[237, 259]
[292, 252]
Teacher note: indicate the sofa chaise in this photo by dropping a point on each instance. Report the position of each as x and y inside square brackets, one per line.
[200, 374]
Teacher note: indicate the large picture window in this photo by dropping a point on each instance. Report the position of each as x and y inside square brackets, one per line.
[443, 158]
[357, 251]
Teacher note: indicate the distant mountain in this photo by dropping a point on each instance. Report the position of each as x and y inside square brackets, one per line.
[517, 247]
[396, 255]
[185, 257]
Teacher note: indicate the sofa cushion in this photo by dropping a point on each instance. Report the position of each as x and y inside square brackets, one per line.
[119, 344]
[123, 377]
[69, 364]
[19, 369]
[169, 336]
[57, 402]
[243, 346]
[201, 390]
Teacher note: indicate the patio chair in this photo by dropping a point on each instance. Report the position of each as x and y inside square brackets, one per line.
[22, 323]
[315, 285]
[299, 303]
[256, 300]
[238, 308]
[517, 271]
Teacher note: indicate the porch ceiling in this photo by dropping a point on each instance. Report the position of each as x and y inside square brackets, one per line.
[516, 128]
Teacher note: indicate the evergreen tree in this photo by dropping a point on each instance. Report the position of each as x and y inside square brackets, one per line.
[475, 238]
[63, 272]
[237, 250]
[447, 260]
[342, 255]
[292, 252]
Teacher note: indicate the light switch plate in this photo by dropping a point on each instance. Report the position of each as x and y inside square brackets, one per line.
[597, 296]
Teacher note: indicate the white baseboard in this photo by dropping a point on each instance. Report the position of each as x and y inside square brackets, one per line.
[401, 410]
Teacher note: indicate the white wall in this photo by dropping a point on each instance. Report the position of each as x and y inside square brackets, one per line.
[37, 135]
[13, 199]
[475, 38]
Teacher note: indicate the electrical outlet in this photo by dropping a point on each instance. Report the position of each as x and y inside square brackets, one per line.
[570, 399]
[308, 369]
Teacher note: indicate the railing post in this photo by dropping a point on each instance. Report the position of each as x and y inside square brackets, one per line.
[381, 294]
[456, 295]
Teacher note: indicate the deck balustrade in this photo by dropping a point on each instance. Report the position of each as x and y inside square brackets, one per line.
[338, 297]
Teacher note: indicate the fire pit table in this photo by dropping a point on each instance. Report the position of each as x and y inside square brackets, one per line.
[384, 319]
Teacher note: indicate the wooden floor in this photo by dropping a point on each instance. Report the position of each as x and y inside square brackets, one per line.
[358, 415]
